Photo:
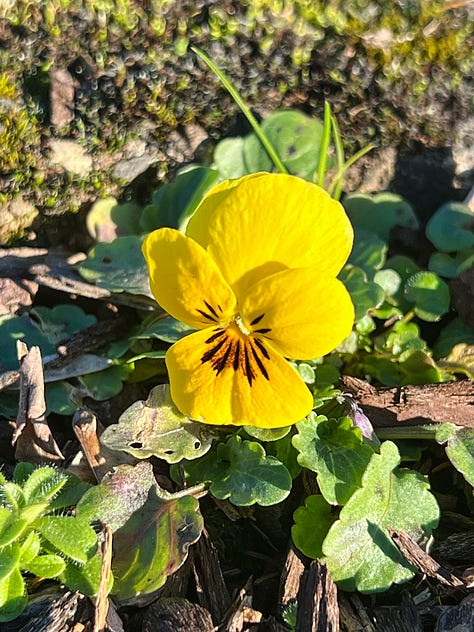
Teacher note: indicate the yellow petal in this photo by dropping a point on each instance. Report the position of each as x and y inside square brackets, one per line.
[302, 313]
[263, 223]
[185, 281]
[220, 376]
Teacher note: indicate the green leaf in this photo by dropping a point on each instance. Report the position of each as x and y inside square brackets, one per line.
[459, 448]
[455, 332]
[306, 372]
[61, 321]
[167, 329]
[266, 434]
[229, 158]
[152, 528]
[11, 526]
[9, 558]
[311, 526]
[380, 213]
[451, 266]
[365, 294]
[359, 551]
[13, 597]
[430, 295]
[46, 566]
[460, 360]
[389, 280]
[401, 340]
[107, 219]
[286, 453]
[369, 252]
[451, 227]
[69, 535]
[157, 428]
[118, 266]
[174, 203]
[241, 471]
[296, 138]
[105, 384]
[30, 548]
[335, 450]
[43, 484]
[83, 578]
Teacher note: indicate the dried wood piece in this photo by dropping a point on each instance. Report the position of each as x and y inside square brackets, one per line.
[457, 546]
[421, 560]
[318, 610]
[271, 625]
[450, 402]
[290, 579]
[353, 614]
[211, 588]
[235, 617]
[177, 615]
[457, 618]
[102, 599]
[32, 437]
[16, 293]
[403, 619]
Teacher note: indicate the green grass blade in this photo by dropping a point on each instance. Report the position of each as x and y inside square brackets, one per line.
[245, 110]
[340, 159]
[352, 160]
[323, 150]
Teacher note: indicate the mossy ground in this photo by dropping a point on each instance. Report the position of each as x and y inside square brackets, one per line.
[395, 73]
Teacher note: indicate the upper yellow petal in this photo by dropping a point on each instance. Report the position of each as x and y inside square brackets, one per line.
[220, 376]
[260, 224]
[303, 314]
[185, 281]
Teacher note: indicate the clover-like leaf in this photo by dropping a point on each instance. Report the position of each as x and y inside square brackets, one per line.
[380, 213]
[459, 448]
[311, 525]
[174, 203]
[369, 252]
[429, 293]
[365, 294]
[117, 266]
[107, 219]
[242, 472]
[335, 450]
[295, 137]
[451, 227]
[156, 427]
[359, 551]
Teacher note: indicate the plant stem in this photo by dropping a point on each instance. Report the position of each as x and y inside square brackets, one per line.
[407, 432]
[323, 150]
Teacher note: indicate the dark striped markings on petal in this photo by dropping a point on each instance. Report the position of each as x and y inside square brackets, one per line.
[210, 313]
[233, 349]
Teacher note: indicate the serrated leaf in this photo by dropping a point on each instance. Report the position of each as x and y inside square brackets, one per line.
[84, 578]
[69, 535]
[45, 566]
[107, 219]
[30, 548]
[368, 253]
[157, 428]
[380, 213]
[241, 472]
[11, 526]
[459, 448]
[174, 203]
[430, 295]
[311, 524]
[13, 597]
[43, 484]
[118, 266]
[335, 450]
[365, 294]
[359, 551]
[451, 227]
[295, 137]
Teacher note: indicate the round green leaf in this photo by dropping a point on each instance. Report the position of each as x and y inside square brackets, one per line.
[296, 139]
[312, 523]
[105, 384]
[380, 213]
[229, 158]
[107, 219]
[430, 295]
[118, 266]
[451, 228]
[459, 448]
[369, 252]
[365, 294]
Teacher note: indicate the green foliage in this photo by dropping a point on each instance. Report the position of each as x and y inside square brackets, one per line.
[152, 528]
[459, 448]
[34, 539]
[358, 549]
[311, 525]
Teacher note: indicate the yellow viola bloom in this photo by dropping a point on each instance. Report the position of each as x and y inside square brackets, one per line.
[256, 275]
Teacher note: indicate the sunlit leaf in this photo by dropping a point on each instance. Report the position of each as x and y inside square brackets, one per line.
[69, 535]
[365, 294]
[13, 597]
[167, 329]
[369, 252]
[359, 551]
[459, 448]
[229, 158]
[455, 332]
[156, 427]
[429, 293]
[107, 219]
[311, 524]
[335, 450]
[46, 566]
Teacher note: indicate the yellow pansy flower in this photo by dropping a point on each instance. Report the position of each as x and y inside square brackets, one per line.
[256, 275]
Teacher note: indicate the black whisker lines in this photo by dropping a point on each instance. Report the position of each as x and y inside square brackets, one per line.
[211, 314]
